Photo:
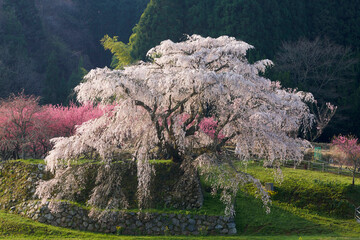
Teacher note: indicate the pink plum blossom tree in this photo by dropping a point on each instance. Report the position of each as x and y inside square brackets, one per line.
[66, 118]
[26, 127]
[19, 124]
[186, 104]
[351, 148]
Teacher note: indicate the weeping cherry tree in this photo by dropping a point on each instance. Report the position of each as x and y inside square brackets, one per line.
[163, 107]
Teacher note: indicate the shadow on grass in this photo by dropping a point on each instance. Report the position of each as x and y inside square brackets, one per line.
[353, 193]
[252, 219]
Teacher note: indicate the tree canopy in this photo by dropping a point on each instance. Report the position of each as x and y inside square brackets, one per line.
[192, 99]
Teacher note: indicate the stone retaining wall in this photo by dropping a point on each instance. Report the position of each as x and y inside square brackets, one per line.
[65, 214]
[18, 182]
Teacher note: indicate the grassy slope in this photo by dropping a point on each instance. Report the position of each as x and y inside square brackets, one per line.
[286, 221]
[325, 193]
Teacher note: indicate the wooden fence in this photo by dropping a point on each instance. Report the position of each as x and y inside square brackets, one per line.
[321, 166]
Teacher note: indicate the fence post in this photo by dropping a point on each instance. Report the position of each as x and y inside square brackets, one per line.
[323, 167]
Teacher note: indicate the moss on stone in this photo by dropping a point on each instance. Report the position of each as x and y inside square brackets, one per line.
[18, 181]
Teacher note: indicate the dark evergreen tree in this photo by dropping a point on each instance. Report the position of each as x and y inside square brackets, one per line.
[55, 88]
[162, 19]
[75, 78]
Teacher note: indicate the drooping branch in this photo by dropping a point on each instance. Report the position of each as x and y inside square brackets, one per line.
[147, 108]
[195, 115]
[224, 141]
[179, 104]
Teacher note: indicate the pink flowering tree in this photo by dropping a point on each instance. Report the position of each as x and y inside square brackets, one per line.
[190, 101]
[19, 125]
[351, 148]
[66, 118]
[26, 127]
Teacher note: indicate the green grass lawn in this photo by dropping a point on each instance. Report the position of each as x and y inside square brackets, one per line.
[287, 218]
[292, 216]
[15, 227]
[324, 193]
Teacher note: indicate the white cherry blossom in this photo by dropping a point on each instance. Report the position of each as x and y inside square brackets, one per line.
[162, 102]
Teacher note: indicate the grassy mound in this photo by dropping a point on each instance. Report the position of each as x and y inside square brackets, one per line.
[323, 193]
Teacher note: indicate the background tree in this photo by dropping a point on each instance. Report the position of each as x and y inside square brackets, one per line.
[54, 91]
[75, 78]
[109, 17]
[17, 69]
[321, 67]
[26, 127]
[18, 124]
[350, 147]
[162, 19]
[265, 24]
[164, 104]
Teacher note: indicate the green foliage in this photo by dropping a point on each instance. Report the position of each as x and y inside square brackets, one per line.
[110, 17]
[55, 83]
[75, 78]
[120, 50]
[162, 19]
[264, 24]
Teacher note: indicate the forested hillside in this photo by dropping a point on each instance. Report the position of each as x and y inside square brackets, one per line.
[45, 44]
[266, 24]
